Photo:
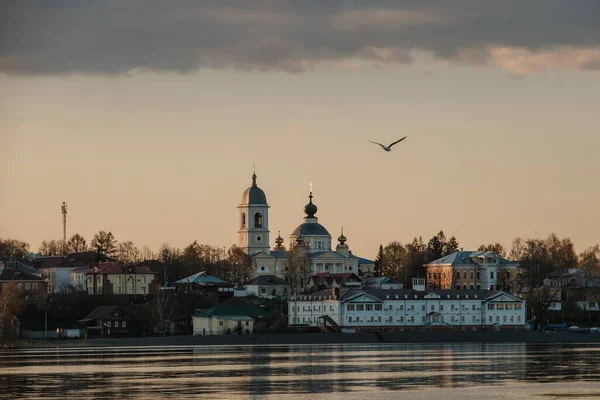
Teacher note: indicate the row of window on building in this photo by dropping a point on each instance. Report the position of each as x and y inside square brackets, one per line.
[379, 307]
[27, 286]
[438, 275]
[410, 319]
[109, 324]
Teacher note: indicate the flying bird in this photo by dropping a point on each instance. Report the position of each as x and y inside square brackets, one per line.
[389, 148]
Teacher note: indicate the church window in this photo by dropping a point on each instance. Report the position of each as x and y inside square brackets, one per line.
[243, 220]
[262, 268]
[258, 221]
[258, 238]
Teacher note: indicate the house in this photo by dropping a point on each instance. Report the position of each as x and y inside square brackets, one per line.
[381, 282]
[326, 280]
[473, 270]
[79, 278]
[229, 320]
[105, 321]
[572, 286]
[268, 286]
[57, 270]
[115, 278]
[30, 285]
[408, 309]
[205, 284]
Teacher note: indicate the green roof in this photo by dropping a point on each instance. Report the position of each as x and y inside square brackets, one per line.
[233, 311]
[310, 229]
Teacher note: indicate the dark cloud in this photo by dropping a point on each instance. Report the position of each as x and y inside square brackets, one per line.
[112, 37]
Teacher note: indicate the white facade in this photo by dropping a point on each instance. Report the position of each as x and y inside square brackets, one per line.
[409, 309]
[59, 278]
[254, 220]
[79, 278]
[268, 291]
[129, 283]
[222, 325]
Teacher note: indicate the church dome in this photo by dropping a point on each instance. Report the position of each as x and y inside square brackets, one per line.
[310, 229]
[310, 209]
[254, 194]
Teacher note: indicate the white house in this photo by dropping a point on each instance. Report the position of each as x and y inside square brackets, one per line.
[268, 286]
[224, 320]
[399, 310]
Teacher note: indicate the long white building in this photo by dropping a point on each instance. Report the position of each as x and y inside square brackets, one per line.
[404, 309]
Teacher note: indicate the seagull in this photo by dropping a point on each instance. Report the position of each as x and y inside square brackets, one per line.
[389, 148]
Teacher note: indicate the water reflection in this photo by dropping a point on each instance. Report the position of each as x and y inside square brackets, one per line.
[296, 370]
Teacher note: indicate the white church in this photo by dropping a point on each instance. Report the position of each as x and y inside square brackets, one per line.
[254, 239]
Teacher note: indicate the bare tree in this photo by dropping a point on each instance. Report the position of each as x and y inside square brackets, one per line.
[517, 249]
[589, 261]
[104, 244]
[147, 254]
[168, 256]
[297, 268]
[393, 262]
[164, 310]
[241, 265]
[13, 250]
[127, 253]
[53, 248]
[504, 280]
[496, 248]
[540, 300]
[11, 303]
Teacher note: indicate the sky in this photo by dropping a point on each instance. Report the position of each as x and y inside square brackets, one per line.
[147, 117]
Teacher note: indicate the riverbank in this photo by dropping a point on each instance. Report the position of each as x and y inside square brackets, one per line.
[326, 338]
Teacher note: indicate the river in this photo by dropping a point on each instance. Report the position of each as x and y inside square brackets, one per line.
[349, 371]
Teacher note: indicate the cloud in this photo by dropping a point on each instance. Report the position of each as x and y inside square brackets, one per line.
[116, 37]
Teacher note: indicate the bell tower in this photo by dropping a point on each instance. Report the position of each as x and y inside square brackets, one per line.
[254, 220]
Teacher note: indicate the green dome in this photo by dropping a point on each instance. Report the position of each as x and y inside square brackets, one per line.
[254, 194]
[310, 229]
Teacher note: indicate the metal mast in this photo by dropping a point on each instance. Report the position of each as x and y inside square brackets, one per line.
[64, 214]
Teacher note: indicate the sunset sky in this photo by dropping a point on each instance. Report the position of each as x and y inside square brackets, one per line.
[146, 118]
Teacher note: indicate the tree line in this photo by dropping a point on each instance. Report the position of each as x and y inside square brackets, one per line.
[538, 258]
[170, 263]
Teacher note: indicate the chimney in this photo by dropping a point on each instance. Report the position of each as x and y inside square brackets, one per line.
[335, 293]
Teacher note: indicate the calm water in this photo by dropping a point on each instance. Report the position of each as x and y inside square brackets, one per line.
[415, 371]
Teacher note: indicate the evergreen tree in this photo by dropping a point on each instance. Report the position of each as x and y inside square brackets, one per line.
[436, 246]
[451, 246]
[378, 262]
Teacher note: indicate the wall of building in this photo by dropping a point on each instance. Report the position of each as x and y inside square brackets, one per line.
[130, 284]
[217, 326]
[268, 290]
[410, 313]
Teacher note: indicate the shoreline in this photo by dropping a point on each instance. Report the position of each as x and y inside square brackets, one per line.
[322, 339]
